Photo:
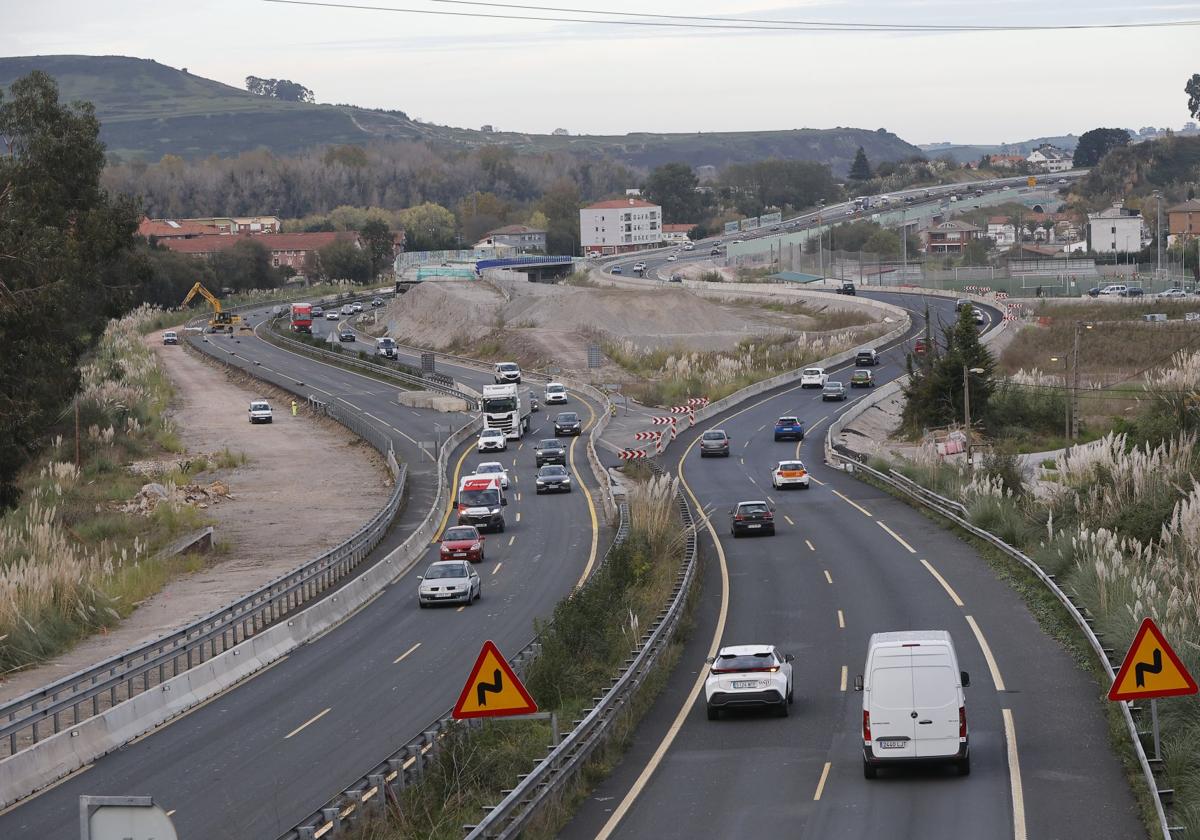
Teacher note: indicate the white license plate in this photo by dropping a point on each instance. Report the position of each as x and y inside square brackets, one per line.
[753, 526]
[892, 744]
[441, 595]
[745, 683]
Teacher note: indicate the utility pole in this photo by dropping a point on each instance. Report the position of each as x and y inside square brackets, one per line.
[1074, 400]
[77, 432]
[820, 247]
[904, 240]
[1158, 234]
[967, 410]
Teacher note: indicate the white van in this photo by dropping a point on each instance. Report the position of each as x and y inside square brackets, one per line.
[914, 709]
[1115, 290]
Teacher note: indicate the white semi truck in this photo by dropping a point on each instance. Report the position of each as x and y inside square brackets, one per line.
[507, 407]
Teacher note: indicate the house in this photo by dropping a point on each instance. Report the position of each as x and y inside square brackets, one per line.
[676, 234]
[159, 229]
[620, 225]
[520, 238]
[1184, 219]
[1007, 161]
[1115, 230]
[287, 249]
[227, 225]
[1002, 230]
[1050, 159]
[949, 237]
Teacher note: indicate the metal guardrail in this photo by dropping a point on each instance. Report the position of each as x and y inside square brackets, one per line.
[64, 703]
[913, 488]
[407, 765]
[1076, 610]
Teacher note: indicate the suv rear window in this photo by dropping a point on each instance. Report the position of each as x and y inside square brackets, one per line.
[754, 507]
[744, 662]
[786, 421]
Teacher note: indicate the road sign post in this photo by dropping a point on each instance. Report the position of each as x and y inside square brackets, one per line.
[1151, 669]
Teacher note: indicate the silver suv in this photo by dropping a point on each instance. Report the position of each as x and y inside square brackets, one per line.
[714, 442]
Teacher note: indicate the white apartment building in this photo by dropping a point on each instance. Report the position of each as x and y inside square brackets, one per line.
[620, 225]
[1050, 159]
[1115, 230]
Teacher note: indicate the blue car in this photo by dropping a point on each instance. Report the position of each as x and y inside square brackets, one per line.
[789, 427]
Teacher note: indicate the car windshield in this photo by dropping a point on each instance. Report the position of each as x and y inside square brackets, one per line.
[488, 468]
[491, 433]
[865, 351]
[554, 389]
[441, 571]
[479, 498]
[386, 342]
[509, 368]
[714, 436]
[456, 534]
[552, 470]
[786, 421]
[260, 406]
[791, 466]
[549, 444]
[727, 662]
[495, 405]
[752, 507]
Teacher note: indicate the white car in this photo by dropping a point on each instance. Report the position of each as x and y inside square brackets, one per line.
[331, 315]
[813, 377]
[1169, 293]
[492, 440]
[979, 316]
[260, 412]
[671, 257]
[1114, 290]
[689, 247]
[493, 469]
[356, 307]
[347, 309]
[639, 266]
[449, 582]
[556, 393]
[790, 474]
[506, 372]
[746, 677]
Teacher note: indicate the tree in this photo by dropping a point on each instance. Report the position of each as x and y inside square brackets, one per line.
[1098, 142]
[673, 185]
[66, 262]
[247, 265]
[934, 392]
[428, 227]
[975, 252]
[561, 207]
[1192, 89]
[481, 212]
[860, 170]
[282, 89]
[884, 242]
[380, 246]
[344, 260]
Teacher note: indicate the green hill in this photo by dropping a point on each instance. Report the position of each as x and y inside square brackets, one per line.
[148, 109]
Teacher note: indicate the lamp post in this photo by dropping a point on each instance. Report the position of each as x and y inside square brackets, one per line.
[1066, 402]
[1074, 408]
[967, 405]
[1158, 237]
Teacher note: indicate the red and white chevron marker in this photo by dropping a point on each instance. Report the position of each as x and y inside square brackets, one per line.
[650, 435]
[663, 421]
[631, 454]
[697, 402]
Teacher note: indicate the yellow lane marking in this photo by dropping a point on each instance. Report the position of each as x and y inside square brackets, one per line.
[307, 723]
[587, 497]
[853, 504]
[845, 673]
[656, 759]
[841, 620]
[949, 591]
[404, 655]
[498, 565]
[453, 493]
[828, 579]
[811, 547]
[896, 537]
[788, 519]
[1014, 777]
[987, 654]
[512, 540]
[821, 784]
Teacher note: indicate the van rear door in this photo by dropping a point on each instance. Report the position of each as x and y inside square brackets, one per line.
[935, 701]
[890, 704]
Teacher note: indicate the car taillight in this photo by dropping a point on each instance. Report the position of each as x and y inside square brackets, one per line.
[738, 517]
[768, 516]
[962, 721]
[866, 727]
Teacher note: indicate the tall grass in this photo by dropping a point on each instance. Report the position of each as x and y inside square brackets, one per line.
[70, 561]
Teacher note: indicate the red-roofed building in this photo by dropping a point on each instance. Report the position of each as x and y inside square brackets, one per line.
[170, 229]
[676, 234]
[620, 225]
[288, 249]
[1007, 161]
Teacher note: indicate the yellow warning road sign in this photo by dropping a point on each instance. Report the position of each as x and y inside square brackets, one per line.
[1032, 181]
[1151, 669]
[493, 689]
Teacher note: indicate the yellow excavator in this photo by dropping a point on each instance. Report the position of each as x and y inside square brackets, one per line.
[220, 321]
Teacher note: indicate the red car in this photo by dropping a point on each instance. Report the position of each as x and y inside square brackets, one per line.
[462, 542]
[919, 347]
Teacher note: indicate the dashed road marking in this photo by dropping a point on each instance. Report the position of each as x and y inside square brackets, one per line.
[404, 655]
[949, 591]
[307, 723]
[821, 784]
[987, 654]
[841, 620]
[498, 565]
[828, 578]
[811, 547]
[852, 503]
[788, 519]
[512, 539]
[845, 673]
[896, 537]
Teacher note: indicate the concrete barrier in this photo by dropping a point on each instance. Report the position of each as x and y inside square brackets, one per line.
[64, 752]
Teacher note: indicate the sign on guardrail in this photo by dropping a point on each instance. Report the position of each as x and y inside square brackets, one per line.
[493, 689]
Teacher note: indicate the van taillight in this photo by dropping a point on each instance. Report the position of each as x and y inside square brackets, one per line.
[962, 721]
[866, 727]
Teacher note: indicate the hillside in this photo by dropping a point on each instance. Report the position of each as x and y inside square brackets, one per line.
[1171, 165]
[148, 109]
[963, 153]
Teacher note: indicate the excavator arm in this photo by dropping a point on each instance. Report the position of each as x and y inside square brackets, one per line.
[219, 319]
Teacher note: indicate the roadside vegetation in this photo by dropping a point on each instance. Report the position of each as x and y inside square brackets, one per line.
[1118, 524]
[76, 554]
[584, 645]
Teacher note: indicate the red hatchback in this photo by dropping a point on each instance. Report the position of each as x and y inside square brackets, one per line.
[462, 542]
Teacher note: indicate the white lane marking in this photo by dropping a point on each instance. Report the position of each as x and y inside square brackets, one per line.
[845, 674]
[512, 539]
[307, 723]
[763, 426]
[828, 579]
[172, 811]
[987, 654]
[518, 516]
[347, 402]
[752, 481]
[744, 445]
[405, 655]
[821, 784]
[498, 565]
[1014, 777]
[814, 478]
[373, 417]
[856, 505]
[811, 547]
[896, 537]
[321, 390]
[841, 620]
[788, 519]
[949, 590]
[769, 499]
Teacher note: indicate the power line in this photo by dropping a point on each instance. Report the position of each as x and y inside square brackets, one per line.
[612, 18]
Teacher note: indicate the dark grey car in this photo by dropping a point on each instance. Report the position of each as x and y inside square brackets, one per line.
[553, 478]
[567, 423]
[550, 451]
[833, 391]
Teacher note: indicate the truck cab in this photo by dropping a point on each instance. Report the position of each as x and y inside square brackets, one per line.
[506, 408]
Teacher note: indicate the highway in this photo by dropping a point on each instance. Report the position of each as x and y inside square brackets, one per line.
[849, 560]
[257, 759]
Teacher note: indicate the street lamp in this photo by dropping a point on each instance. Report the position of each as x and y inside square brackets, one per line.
[1066, 402]
[967, 404]
[1074, 430]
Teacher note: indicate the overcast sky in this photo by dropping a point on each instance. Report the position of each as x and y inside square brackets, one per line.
[537, 76]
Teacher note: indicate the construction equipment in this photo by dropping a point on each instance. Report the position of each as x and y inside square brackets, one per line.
[220, 321]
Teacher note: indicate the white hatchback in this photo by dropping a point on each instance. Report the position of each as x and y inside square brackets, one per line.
[790, 474]
[746, 677]
[493, 469]
[813, 377]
